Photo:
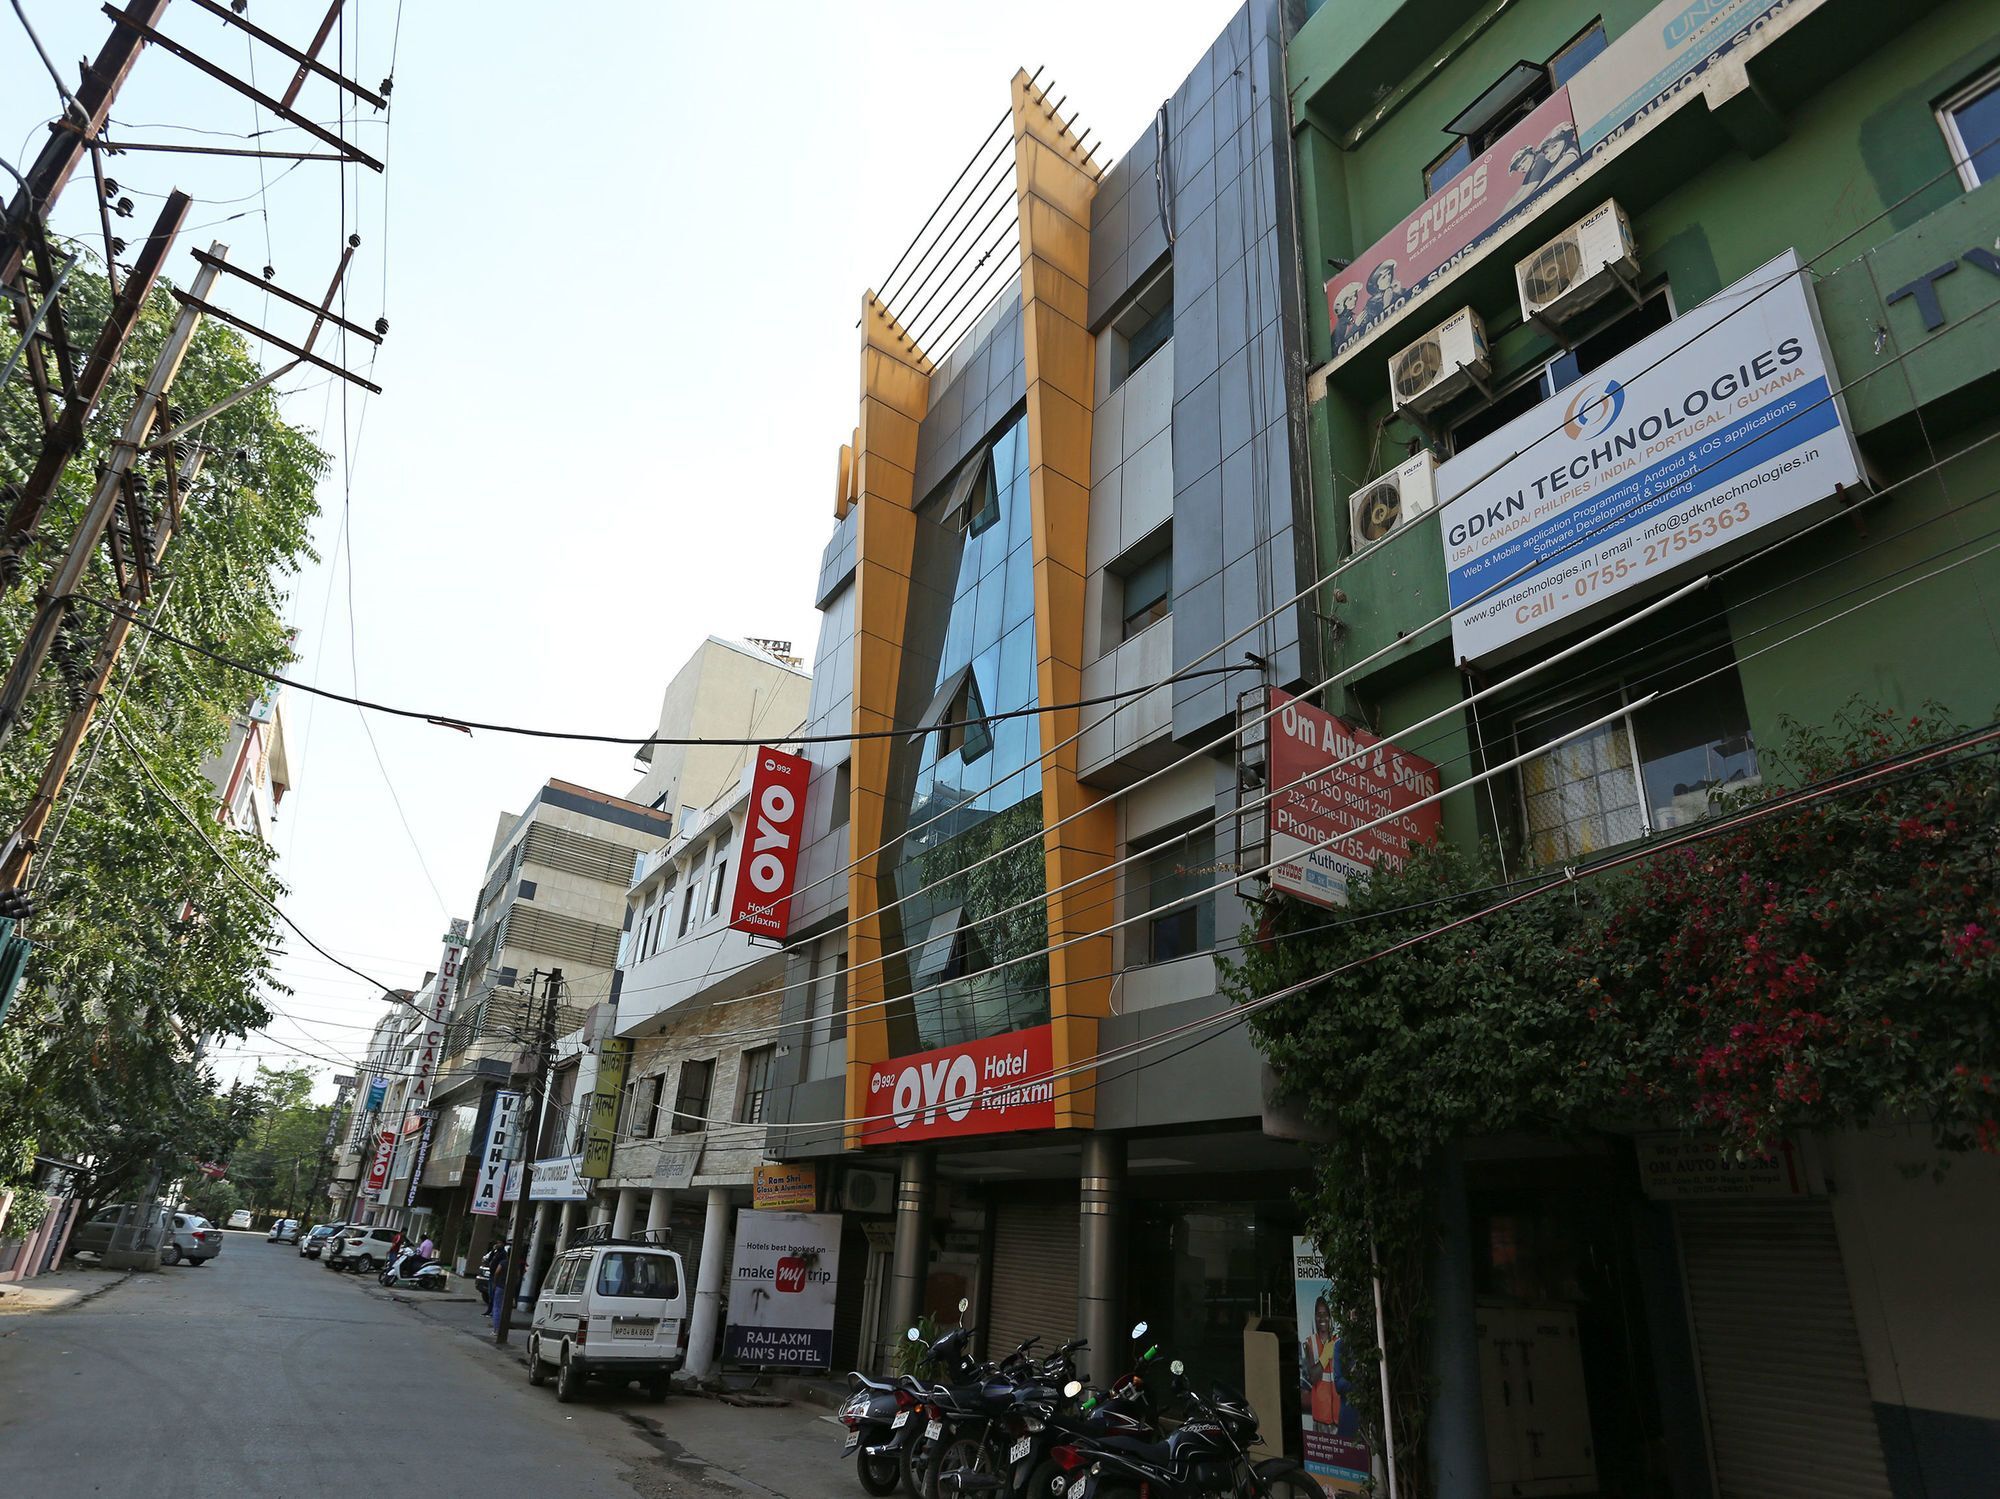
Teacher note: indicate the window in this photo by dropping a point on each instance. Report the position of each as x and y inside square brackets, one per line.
[1514, 96]
[826, 1014]
[1145, 577]
[693, 889]
[959, 713]
[1141, 327]
[629, 1273]
[1657, 767]
[756, 1085]
[1971, 122]
[1175, 878]
[691, 1098]
[1625, 326]
[646, 1106]
[843, 793]
[526, 889]
[715, 878]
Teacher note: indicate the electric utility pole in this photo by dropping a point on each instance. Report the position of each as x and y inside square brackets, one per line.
[517, 1242]
[71, 137]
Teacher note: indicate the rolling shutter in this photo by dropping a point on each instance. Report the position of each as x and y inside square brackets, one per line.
[1789, 1414]
[1034, 1276]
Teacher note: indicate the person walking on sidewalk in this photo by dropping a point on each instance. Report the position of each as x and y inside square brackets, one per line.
[496, 1271]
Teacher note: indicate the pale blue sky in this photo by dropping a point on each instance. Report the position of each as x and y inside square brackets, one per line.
[625, 247]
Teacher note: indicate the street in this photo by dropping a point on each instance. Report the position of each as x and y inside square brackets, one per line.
[263, 1372]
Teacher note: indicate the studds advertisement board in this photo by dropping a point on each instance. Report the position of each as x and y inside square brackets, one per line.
[1665, 459]
[1328, 778]
[768, 863]
[781, 1290]
[1657, 57]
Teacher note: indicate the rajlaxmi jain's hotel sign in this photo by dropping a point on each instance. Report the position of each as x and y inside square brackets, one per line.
[1663, 460]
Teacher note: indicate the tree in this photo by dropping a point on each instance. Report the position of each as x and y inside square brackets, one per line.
[144, 944]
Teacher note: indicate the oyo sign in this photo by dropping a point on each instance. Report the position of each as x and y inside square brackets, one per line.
[769, 861]
[378, 1168]
[979, 1088]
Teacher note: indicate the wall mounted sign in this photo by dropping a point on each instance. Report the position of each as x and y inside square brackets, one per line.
[1328, 777]
[792, 1187]
[976, 1088]
[490, 1183]
[613, 1056]
[768, 862]
[781, 1290]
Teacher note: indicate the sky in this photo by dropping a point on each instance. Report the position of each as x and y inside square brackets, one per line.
[622, 258]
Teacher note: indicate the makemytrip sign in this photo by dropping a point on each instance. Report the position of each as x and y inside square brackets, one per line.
[499, 1149]
[978, 1088]
[378, 1167]
[1667, 458]
[781, 1290]
[769, 862]
[1494, 190]
[1327, 779]
[613, 1056]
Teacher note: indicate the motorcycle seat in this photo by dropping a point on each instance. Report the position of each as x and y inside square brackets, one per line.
[863, 1382]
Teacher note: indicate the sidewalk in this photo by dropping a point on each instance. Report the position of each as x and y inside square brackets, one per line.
[58, 1289]
[764, 1448]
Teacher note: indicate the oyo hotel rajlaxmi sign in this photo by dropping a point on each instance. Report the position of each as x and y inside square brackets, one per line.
[976, 1088]
[1666, 459]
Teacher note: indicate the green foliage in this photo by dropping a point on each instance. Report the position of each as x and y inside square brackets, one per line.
[143, 945]
[910, 1352]
[213, 1200]
[26, 1213]
[1807, 970]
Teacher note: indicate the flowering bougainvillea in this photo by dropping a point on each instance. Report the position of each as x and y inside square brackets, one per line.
[1813, 968]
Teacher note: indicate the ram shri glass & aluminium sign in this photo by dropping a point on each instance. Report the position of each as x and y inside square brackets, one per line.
[1341, 801]
[781, 1290]
[1667, 459]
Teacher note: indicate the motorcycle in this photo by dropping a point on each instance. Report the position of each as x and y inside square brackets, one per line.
[1207, 1455]
[1044, 1424]
[879, 1413]
[984, 1429]
[411, 1268]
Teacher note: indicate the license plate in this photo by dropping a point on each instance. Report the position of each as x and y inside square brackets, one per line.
[642, 1328]
[934, 1430]
[853, 1441]
[1020, 1449]
[902, 1419]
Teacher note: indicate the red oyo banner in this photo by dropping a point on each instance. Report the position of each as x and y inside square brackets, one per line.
[772, 832]
[378, 1168]
[1498, 184]
[1327, 778]
[978, 1088]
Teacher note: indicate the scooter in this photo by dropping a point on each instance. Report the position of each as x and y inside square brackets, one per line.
[408, 1267]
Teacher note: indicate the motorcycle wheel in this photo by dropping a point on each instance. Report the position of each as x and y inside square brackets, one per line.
[915, 1458]
[1043, 1479]
[879, 1475]
[955, 1454]
[1281, 1478]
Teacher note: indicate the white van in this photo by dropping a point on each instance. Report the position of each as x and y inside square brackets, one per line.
[613, 1311]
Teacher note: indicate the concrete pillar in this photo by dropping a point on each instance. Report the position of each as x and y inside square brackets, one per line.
[624, 1206]
[707, 1320]
[600, 1208]
[565, 1224]
[660, 1209]
[910, 1268]
[1100, 1289]
[531, 1273]
[1457, 1425]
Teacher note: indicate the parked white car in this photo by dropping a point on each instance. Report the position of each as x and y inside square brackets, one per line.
[366, 1248]
[614, 1312]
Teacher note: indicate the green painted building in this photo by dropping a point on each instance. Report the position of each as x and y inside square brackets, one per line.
[1733, 269]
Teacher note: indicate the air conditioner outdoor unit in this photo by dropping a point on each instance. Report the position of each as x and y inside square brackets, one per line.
[867, 1192]
[1442, 363]
[1379, 507]
[1595, 255]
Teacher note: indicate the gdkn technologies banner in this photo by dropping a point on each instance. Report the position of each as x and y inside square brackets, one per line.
[1659, 462]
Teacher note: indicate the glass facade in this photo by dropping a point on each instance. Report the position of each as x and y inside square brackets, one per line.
[971, 789]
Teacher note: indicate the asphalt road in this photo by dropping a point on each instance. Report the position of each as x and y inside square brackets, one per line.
[264, 1373]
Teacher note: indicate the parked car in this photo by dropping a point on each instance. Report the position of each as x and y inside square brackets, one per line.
[614, 1311]
[284, 1231]
[316, 1239]
[364, 1247]
[93, 1235]
[240, 1218]
[195, 1240]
